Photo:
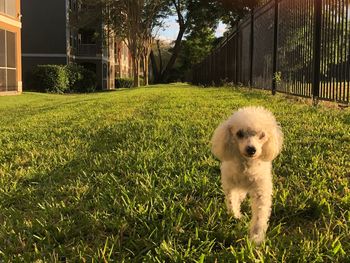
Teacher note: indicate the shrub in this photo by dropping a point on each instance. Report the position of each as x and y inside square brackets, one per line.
[61, 79]
[74, 74]
[81, 79]
[124, 83]
[51, 78]
[88, 82]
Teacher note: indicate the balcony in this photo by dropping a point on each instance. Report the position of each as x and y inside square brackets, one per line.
[88, 50]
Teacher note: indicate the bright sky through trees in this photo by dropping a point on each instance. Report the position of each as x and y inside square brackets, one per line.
[171, 27]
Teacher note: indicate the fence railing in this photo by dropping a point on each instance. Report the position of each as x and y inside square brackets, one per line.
[300, 47]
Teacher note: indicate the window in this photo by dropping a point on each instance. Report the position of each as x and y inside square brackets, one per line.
[2, 48]
[11, 49]
[8, 71]
[8, 7]
[2, 6]
[11, 80]
[3, 79]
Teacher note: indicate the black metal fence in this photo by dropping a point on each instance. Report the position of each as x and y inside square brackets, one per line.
[300, 47]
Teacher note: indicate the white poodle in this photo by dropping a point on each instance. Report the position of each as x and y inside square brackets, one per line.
[246, 144]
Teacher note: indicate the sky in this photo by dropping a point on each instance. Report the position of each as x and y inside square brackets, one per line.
[169, 33]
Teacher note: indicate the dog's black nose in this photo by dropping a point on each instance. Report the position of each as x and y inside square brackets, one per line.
[250, 150]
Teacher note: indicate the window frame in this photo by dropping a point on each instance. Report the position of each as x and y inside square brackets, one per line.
[5, 67]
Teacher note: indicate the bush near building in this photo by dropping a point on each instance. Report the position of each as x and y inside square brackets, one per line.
[80, 79]
[50, 78]
[63, 79]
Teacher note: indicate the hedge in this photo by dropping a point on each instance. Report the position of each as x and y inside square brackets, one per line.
[81, 79]
[51, 78]
[63, 79]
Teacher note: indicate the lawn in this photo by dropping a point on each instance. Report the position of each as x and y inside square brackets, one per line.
[129, 176]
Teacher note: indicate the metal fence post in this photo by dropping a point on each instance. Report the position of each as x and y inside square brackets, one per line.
[251, 48]
[317, 51]
[275, 50]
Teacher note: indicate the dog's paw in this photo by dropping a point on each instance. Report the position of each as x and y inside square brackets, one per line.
[257, 238]
[229, 207]
[257, 235]
[237, 214]
[234, 212]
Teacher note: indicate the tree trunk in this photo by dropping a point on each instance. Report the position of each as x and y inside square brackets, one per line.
[154, 68]
[160, 56]
[174, 55]
[145, 70]
[136, 70]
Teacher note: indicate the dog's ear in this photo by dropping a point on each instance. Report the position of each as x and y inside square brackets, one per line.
[222, 143]
[273, 145]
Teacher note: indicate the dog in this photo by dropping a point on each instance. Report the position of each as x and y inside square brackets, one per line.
[246, 144]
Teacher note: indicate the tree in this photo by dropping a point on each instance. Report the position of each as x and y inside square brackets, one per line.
[160, 55]
[135, 20]
[197, 45]
[195, 14]
[153, 13]
[233, 10]
[131, 20]
[189, 13]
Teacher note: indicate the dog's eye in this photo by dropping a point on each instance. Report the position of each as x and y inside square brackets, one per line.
[240, 134]
[262, 135]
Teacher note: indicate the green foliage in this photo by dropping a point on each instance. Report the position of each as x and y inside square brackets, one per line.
[81, 79]
[295, 50]
[195, 48]
[74, 74]
[51, 78]
[197, 45]
[63, 79]
[130, 20]
[231, 11]
[277, 77]
[88, 82]
[124, 83]
[128, 176]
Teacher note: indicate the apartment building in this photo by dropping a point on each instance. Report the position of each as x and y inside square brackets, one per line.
[123, 60]
[10, 47]
[49, 38]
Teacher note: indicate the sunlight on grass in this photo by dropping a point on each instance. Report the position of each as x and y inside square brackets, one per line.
[128, 176]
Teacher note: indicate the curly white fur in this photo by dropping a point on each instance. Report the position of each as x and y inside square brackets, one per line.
[246, 144]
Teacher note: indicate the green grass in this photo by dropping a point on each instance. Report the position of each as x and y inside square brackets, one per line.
[128, 176]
